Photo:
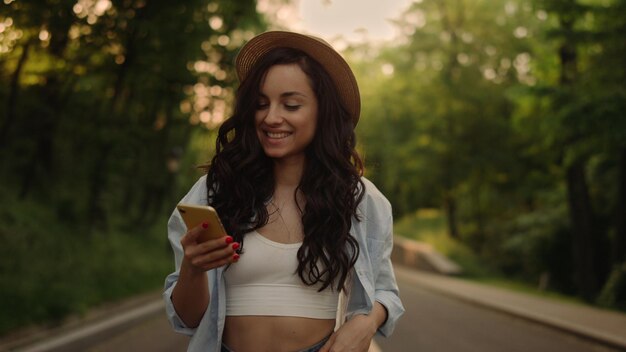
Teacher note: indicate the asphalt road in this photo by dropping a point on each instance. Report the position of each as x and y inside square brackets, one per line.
[154, 334]
[433, 322]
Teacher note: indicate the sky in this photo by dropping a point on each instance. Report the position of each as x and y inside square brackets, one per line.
[348, 18]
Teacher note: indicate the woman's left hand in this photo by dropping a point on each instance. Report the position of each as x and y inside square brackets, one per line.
[355, 335]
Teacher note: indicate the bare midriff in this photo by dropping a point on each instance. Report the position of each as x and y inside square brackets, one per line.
[274, 333]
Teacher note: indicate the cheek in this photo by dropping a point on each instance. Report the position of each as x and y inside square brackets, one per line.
[312, 131]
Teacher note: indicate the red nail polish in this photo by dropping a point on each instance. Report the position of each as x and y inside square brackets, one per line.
[205, 225]
[229, 239]
[235, 245]
[235, 257]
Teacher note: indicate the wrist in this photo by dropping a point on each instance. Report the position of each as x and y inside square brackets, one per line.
[367, 320]
[379, 314]
[373, 323]
[189, 271]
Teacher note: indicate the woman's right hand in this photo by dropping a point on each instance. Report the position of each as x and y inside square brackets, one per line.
[202, 256]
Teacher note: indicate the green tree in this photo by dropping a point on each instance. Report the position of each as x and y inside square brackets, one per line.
[508, 115]
[102, 92]
[445, 106]
[580, 117]
[105, 108]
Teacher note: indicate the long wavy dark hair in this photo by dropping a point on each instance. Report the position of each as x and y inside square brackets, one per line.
[240, 177]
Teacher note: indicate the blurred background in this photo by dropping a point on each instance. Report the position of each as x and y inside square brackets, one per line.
[496, 128]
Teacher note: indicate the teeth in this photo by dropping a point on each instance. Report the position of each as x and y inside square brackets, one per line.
[277, 134]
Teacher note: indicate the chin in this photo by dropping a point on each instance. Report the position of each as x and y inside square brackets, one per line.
[275, 154]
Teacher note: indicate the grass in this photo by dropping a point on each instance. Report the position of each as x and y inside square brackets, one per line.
[429, 225]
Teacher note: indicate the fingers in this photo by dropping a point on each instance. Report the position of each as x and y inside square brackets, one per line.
[193, 234]
[208, 254]
[196, 249]
[329, 343]
[214, 264]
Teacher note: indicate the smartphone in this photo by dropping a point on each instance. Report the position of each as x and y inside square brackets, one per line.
[194, 215]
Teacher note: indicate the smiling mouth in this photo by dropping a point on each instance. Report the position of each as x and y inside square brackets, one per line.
[277, 135]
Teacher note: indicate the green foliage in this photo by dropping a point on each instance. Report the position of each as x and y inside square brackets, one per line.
[508, 115]
[428, 225]
[112, 95]
[537, 243]
[444, 107]
[52, 269]
[105, 112]
[614, 291]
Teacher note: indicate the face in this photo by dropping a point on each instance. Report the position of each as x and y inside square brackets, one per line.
[286, 115]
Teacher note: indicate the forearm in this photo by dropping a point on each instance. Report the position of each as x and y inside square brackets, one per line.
[190, 296]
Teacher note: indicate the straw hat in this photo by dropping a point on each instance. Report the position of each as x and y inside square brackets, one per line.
[316, 48]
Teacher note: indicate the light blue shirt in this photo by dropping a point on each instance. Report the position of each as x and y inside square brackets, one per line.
[374, 279]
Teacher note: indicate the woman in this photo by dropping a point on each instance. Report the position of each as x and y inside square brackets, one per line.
[306, 226]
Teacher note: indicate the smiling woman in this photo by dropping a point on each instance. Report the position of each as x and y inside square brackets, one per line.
[305, 227]
[287, 113]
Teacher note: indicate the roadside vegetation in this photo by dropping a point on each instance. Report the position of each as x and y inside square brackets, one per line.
[429, 226]
[105, 109]
[508, 116]
[52, 269]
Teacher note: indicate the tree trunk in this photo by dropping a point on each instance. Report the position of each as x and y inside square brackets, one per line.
[98, 184]
[479, 217]
[44, 135]
[585, 246]
[12, 98]
[452, 21]
[584, 242]
[619, 242]
[450, 209]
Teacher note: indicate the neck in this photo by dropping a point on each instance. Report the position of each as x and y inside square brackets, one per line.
[288, 173]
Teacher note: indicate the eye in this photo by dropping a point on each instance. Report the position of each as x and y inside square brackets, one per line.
[262, 104]
[292, 107]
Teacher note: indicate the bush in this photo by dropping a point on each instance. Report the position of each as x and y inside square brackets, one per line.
[51, 269]
[429, 225]
[613, 294]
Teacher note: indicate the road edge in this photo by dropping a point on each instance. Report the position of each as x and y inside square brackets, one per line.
[410, 249]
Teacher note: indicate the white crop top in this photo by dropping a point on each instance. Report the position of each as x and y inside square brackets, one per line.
[264, 282]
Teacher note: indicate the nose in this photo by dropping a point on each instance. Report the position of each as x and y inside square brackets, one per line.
[273, 115]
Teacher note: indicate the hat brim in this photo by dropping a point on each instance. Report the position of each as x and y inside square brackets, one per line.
[320, 51]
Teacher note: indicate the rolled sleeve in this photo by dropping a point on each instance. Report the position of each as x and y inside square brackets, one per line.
[175, 321]
[176, 228]
[386, 288]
